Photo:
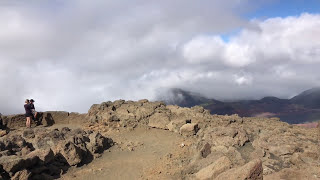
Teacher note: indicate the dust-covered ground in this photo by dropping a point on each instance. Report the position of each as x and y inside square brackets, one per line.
[142, 153]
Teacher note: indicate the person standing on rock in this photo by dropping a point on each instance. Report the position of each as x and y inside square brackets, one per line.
[1, 122]
[28, 114]
[33, 109]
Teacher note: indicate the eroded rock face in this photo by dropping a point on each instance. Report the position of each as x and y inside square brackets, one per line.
[43, 154]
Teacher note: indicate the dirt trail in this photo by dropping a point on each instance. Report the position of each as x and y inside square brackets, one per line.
[136, 155]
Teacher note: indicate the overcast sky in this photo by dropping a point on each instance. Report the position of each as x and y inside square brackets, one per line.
[68, 55]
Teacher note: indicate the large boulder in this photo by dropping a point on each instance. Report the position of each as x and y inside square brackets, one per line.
[12, 164]
[159, 120]
[144, 111]
[175, 125]
[189, 129]
[98, 143]
[126, 112]
[220, 165]
[72, 153]
[14, 143]
[226, 136]
[45, 155]
[250, 171]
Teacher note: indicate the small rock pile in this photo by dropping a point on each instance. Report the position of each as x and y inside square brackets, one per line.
[42, 153]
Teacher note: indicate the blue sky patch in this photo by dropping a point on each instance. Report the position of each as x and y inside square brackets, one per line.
[284, 8]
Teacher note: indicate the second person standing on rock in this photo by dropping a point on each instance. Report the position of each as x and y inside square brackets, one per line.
[28, 114]
[33, 109]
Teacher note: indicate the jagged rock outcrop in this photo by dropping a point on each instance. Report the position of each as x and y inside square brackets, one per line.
[143, 112]
[129, 113]
[255, 147]
[43, 154]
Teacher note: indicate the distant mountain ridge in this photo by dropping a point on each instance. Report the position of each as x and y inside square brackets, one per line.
[304, 107]
[309, 98]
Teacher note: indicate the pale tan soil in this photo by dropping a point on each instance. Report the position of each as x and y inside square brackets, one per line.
[142, 153]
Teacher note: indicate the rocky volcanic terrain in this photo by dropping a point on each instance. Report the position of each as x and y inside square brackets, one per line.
[149, 140]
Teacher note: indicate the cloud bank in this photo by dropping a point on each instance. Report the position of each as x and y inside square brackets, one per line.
[68, 55]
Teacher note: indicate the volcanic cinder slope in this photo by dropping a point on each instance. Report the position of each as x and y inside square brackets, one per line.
[149, 140]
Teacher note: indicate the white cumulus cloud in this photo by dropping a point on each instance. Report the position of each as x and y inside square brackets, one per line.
[68, 55]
